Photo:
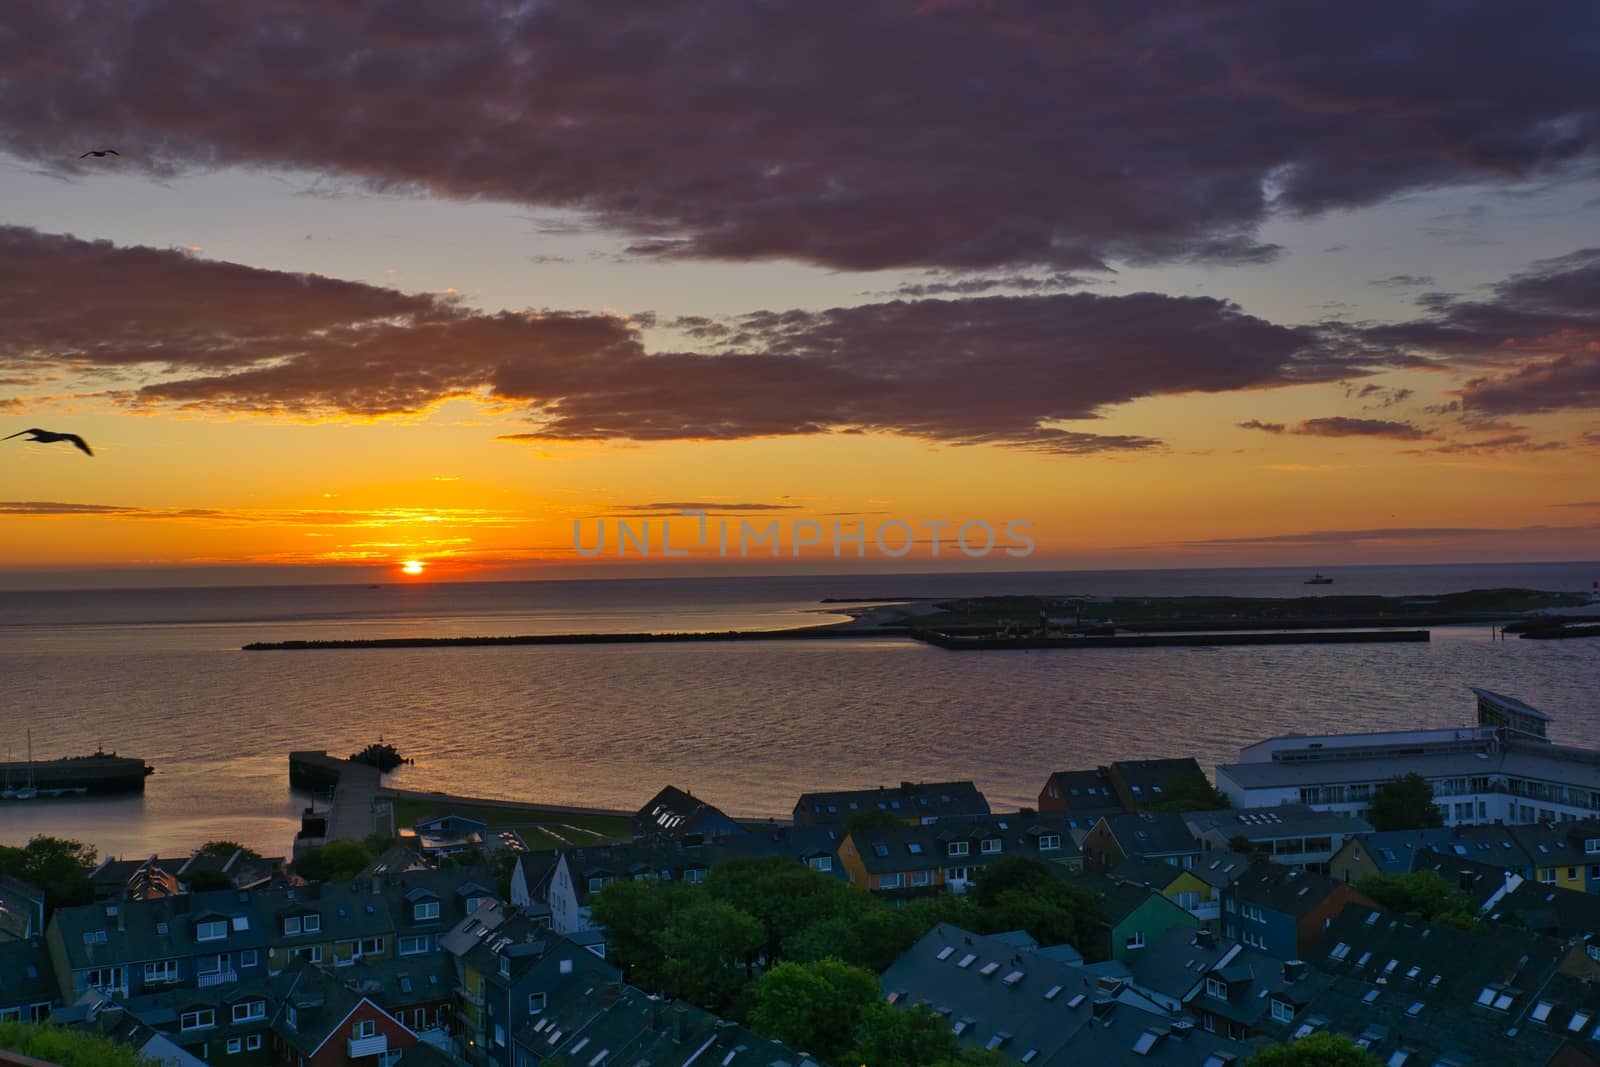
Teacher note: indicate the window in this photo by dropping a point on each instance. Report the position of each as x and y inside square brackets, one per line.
[1339, 951]
[1572, 873]
[311, 923]
[596, 882]
[880, 849]
[419, 1019]
[966, 961]
[247, 958]
[921, 877]
[291, 926]
[915, 848]
[1541, 1011]
[162, 971]
[411, 946]
[211, 931]
[197, 1020]
[364, 1028]
[1135, 939]
[1580, 1019]
[291, 1017]
[1547, 875]
[696, 875]
[891, 881]
[110, 978]
[990, 845]
[235, 1045]
[820, 863]
[214, 964]
[1216, 989]
[505, 966]
[957, 848]
[1282, 1012]
[1049, 842]
[369, 946]
[249, 1010]
[252, 1043]
[536, 1002]
[424, 910]
[308, 952]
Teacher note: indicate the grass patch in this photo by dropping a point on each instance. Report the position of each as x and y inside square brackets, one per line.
[527, 821]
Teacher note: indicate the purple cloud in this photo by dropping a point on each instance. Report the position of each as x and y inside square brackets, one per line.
[166, 328]
[864, 135]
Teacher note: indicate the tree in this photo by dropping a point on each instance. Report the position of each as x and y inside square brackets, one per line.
[207, 878]
[632, 913]
[337, 861]
[813, 1006]
[870, 819]
[1019, 893]
[1426, 893]
[706, 949]
[58, 866]
[889, 1038]
[784, 896]
[1320, 1049]
[1406, 803]
[1191, 792]
[224, 849]
[69, 1048]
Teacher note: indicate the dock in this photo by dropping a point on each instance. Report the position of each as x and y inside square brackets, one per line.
[979, 643]
[352, 786]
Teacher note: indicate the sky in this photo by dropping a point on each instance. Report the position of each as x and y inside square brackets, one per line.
[466, 286]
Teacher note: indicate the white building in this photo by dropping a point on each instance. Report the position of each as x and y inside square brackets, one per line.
[1503, 770]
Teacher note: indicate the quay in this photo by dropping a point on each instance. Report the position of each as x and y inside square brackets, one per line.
[353, 787]
[980, 643]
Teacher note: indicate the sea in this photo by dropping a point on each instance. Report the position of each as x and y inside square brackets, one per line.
[160, 674]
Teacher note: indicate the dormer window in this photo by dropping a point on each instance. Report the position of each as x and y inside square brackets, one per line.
[1049, 842]
[311, 923]
[989, 846]
[957, 848]
[211, 930]
[1216, 989]
[424, 910]
[505, 966]
[1282, 1011]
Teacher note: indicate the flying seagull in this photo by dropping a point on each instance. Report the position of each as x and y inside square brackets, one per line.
[45, 437]
[100, 153]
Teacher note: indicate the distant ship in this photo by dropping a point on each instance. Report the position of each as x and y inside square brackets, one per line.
[1319, 579]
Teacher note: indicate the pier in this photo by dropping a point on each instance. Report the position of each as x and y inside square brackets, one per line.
[979, 643]
[353, 787]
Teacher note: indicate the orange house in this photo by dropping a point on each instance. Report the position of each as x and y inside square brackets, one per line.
[899, 861]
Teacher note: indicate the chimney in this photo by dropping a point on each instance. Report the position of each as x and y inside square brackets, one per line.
[377, 884]
[1294, 970]
[680, 1023]
[612, 991]
[1205, 939]
[1102, 1008]
[1464, 879]
[658, 1013]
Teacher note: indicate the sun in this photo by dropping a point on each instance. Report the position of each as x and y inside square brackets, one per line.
[411, 566]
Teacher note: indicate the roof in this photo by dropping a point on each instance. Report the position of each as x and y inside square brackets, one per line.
[1084, 791]
[1151, 833]
[320, 1003]
[1147, 778]
[675, 813]
[1241, 983]
[1440, 992]
[912, 800]
[1220, 867]
[1119, 900]
[670, 859]
[1509, 703]
[1524, 758]
[133, 931]
[1392, 851]
[996, 996]
[1481, 882]
[627, 1026]
[1267, 824]
[1043, 836]
[1286, 890]
[1550, 910]
[26, 976]
[21, 908]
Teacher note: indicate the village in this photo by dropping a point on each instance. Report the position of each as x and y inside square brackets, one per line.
[1421, 897]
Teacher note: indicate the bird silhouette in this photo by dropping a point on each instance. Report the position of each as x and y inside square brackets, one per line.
[46, 437]
[100, 153]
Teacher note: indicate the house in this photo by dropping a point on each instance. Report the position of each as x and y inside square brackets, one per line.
[614, 1023]
[1294, 834]
[1131, 916]
[21, 910]
[418, 991]
[674, 815]
[1197, 889]
[217, 1024]
[1282, 910]
[517, 973]
[223, 937]
[1503, 770]
[950, 853]
[1143, 783]
[112, 1021]
[28, 990]
[1086, 795]
[1245, 994]
[530, 876]
[320, 1021]
[1040, 1011]
[1386, 852]
[913, 802]
[237, 868]
[1159, 835]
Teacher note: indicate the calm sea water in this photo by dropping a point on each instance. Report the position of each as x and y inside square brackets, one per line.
[750, 726]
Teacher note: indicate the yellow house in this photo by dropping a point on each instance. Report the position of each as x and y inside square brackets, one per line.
[1197, 889]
